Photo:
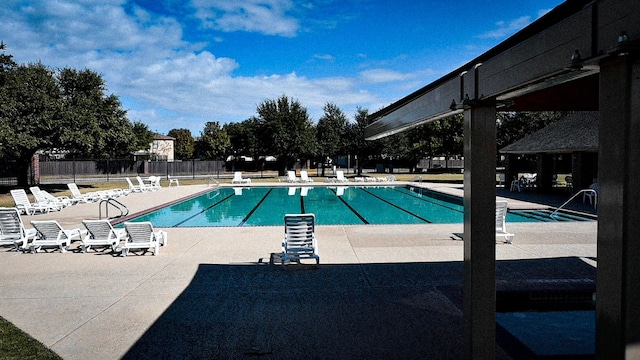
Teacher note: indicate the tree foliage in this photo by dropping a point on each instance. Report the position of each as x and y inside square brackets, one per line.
[184, 146]
[356, 143]
[286, 131]
[330, 132]
[65, 111]
[214, 142]
[513, 126]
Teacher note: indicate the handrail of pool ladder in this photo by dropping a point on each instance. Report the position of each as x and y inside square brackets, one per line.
[571, 198]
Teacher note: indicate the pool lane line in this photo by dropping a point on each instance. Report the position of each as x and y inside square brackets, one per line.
[202, 211]
[255, 208]
[301, 203]
[396, 206]
[350, 208]
[427, 197]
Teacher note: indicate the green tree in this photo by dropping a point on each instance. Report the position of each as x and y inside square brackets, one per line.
[143, 137]
[94, 123]
[184, 145]
[286, 131]
[330, 132]
[451, 134]
[30, 114]
[214, 142]
[64, 111]
[513, 126]
[365, 150]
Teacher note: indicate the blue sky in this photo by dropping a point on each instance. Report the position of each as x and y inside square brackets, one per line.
[181, 63]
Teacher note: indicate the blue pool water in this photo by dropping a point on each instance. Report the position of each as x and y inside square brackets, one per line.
[266, 206]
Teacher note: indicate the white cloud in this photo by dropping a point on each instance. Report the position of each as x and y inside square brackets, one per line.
[383, 76]
[263, 16]
[327, 57]
[505, 29]
[161, 79]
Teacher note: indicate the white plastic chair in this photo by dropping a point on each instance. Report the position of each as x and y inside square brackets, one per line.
[101, 233]
[299, 238]
[238, 179]
[304, 177]
[51, 234]
[85, 198]
[12, 230]
[340, 177]
[501, 222]
[173, 180]
[141, 235]
[291, 177]
[23, 204]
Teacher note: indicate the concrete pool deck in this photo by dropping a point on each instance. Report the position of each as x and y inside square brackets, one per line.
[381, 291]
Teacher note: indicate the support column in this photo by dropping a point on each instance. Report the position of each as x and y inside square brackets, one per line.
[618, 279]
[479, 232]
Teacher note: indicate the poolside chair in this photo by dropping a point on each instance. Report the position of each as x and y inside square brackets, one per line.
[173, 180]
[145, 187]
[12, 230]
[304, 177]
[80, 197]
[501, 222]
[516, 184]
[141, 235]
[154, 182]
[340, 177]
[101, 233]
[65, 200]
[42, 199]
[299, 238]
[49, 233]
[24, 205]
[238, 179]
[291, 176]
[133, 188]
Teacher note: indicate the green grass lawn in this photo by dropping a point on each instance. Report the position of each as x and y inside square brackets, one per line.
[18, 345]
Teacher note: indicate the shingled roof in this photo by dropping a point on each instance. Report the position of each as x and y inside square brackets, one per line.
[576, 132]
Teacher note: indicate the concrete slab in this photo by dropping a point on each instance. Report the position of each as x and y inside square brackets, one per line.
[380, 291]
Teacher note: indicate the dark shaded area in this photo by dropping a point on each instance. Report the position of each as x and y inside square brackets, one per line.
[369, 311]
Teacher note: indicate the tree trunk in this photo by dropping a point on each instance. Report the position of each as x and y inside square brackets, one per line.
[23, 167]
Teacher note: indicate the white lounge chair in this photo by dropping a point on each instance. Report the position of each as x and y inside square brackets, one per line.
[141, 235]
[299, 238]
[101, 233]
[304, 177]
[154, 182]
[501, 222]
[65, 200]
[77, 195]
[340, 177]
[145, 187]
[12, 230]
[51, 234]
[173, 180]
[43, 200]
[291, 177]
[24, 205]
[238, 179]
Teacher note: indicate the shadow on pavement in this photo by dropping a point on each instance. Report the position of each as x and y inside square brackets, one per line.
[368, 311]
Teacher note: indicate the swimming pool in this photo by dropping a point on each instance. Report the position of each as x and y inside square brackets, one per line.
[337, 205]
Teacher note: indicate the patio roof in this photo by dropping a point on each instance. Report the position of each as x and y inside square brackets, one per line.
[577, 131]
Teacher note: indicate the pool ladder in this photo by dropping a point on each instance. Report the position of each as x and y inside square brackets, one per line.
[124, 210]
[571, 198]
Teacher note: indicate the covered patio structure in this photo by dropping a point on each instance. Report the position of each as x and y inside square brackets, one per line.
[570, 145]
[582, 56]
